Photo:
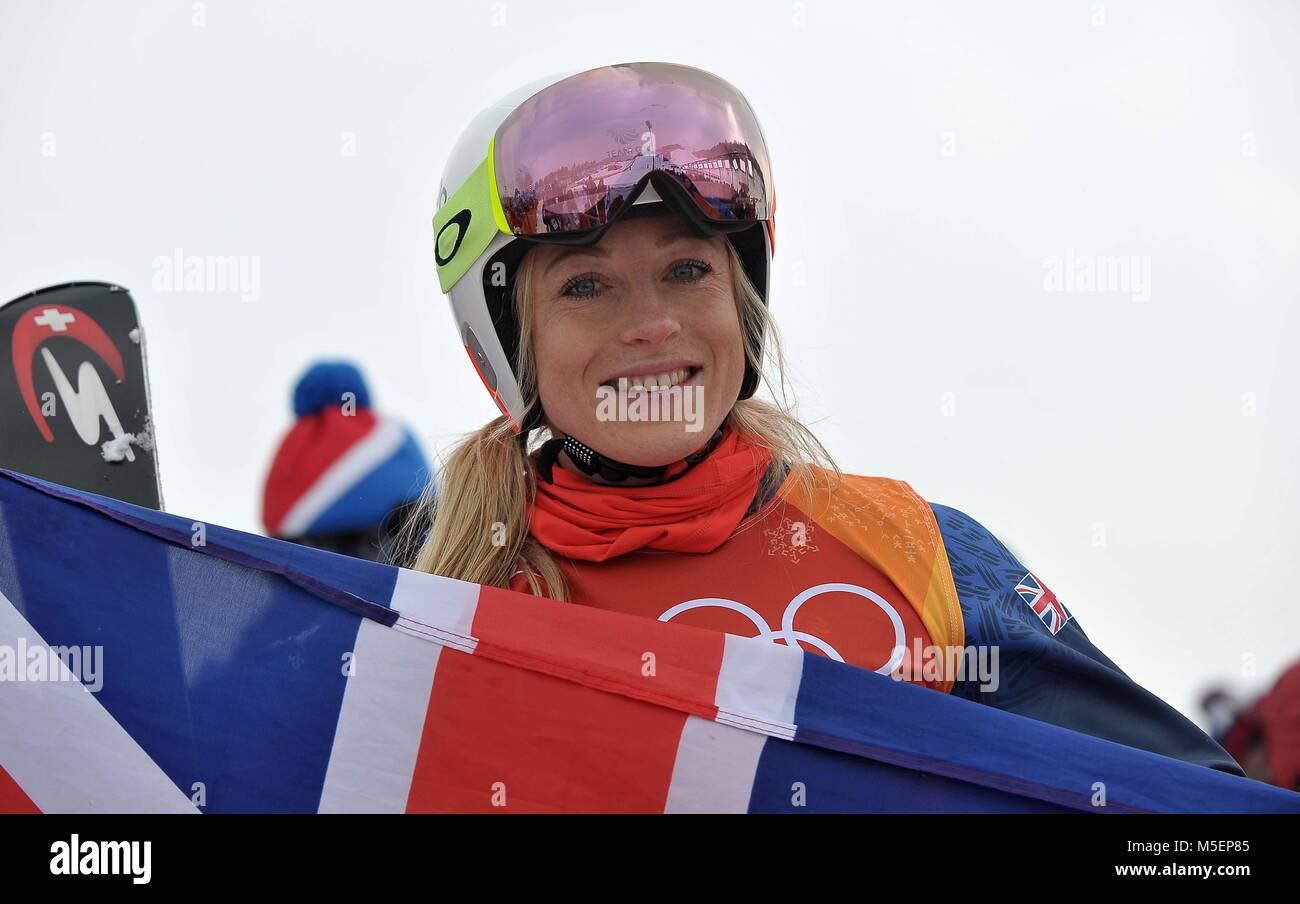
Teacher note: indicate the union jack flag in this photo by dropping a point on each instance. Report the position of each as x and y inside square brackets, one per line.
[1043, 601]
[253, 675]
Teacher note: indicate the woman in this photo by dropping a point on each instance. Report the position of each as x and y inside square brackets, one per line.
[664, 487]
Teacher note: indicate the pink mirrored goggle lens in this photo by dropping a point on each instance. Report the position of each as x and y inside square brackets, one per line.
[571, 156]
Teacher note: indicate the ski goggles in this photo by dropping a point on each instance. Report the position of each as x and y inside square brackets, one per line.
[569, 160]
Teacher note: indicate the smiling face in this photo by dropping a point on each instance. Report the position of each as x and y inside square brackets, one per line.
[653, 303]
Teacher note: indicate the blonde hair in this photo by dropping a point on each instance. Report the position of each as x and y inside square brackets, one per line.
[476, 527]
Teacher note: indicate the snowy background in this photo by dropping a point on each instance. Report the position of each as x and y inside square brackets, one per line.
[1134, 453]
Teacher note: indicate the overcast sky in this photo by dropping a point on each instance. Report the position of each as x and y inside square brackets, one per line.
[1131, 445]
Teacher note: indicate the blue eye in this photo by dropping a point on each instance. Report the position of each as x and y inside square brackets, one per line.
[588, 285]
[692, 265]
[581, 286]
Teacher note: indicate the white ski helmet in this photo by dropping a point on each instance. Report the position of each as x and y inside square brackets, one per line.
[480, 288]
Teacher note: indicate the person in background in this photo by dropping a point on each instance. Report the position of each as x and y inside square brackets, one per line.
[1263, 736]
[344, 478]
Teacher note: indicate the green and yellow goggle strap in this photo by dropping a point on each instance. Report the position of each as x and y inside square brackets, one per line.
[465, 225]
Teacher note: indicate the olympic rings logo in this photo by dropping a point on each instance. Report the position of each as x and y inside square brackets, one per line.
[788, 635]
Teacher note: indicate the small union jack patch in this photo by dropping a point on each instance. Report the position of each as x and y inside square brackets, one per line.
[1043, 601]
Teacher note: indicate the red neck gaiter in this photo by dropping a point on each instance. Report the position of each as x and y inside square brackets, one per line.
[696, 513]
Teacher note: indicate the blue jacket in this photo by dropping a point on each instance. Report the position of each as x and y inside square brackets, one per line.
[1059, 677]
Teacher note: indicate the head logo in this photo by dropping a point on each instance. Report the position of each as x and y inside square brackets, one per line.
[88, 401]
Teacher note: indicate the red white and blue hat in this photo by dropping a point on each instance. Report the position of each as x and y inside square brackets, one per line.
[342, 468]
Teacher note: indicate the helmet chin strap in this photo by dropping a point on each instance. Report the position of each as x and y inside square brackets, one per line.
[593, 464]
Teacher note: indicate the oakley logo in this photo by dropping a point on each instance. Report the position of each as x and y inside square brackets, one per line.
[461, 221]
[789, 636]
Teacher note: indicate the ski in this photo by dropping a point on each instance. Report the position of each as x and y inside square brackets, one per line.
[74, 393]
